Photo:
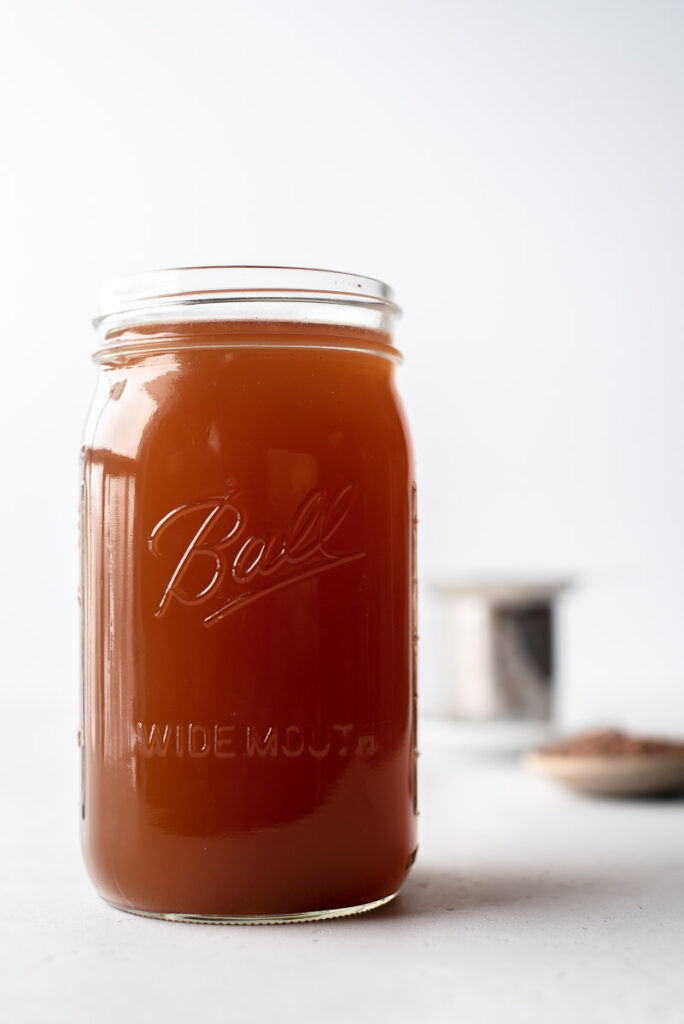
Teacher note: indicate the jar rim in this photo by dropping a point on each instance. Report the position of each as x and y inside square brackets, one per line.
[207, 292]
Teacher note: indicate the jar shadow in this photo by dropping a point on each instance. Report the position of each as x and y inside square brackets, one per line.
[432, 892]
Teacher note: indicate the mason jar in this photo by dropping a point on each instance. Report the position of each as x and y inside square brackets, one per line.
[248, 595]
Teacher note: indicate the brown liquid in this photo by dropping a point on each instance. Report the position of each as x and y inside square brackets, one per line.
[248, 624]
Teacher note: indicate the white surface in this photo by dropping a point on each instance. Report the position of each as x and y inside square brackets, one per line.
[514, 170]
[526, 905]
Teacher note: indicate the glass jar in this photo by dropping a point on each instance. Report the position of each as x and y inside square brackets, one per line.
[248, 528]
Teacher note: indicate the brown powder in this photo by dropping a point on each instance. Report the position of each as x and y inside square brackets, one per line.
[611, 742]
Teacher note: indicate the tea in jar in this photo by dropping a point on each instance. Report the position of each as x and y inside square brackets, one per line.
[248, 530]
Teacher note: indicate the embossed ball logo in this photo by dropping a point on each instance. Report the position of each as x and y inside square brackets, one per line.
[222, 559]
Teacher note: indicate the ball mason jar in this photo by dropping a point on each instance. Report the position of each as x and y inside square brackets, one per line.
[248, 595]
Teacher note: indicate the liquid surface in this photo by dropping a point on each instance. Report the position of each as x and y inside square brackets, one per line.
[248, 625]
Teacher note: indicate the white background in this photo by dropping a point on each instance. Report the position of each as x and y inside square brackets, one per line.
[514, 170]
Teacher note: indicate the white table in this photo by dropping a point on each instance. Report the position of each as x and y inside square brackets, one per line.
[526, 904]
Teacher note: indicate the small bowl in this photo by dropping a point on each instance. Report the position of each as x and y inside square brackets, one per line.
[647, 774]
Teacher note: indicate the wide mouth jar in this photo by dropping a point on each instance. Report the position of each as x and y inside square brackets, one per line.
[146, 312]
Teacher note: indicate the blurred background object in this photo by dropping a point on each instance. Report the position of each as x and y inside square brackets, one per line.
[513, 170]
[498, 649]
[606, 762]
